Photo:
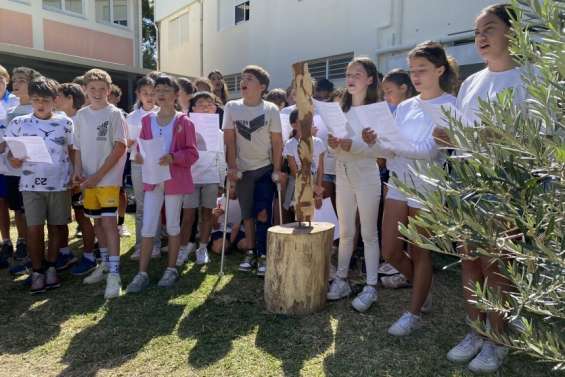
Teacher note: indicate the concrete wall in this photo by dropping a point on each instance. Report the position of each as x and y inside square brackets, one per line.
[281, 32]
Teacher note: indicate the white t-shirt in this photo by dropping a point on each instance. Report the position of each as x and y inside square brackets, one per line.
[163, 132]
[134, 125]
[15, 112]
[291, 149]
[7, 104]
[253, 126]
[96, 132]
[486, 85]
[416, 126]
[57, 132]
[234, 214]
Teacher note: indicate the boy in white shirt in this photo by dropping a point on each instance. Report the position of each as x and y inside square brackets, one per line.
[101, 143]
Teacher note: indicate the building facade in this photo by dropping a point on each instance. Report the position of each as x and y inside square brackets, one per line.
[197, 36]
[64, 38]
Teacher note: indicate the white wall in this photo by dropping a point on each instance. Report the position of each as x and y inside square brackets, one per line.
[281, 32]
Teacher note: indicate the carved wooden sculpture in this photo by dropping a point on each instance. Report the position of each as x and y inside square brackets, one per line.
[303, 192]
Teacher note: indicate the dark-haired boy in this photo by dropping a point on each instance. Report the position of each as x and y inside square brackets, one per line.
[252, 133]
[45, 186]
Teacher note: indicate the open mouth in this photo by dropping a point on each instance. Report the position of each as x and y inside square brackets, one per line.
[244, 88]
[484, 47]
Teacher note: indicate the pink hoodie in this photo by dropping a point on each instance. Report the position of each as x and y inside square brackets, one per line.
[183, 149]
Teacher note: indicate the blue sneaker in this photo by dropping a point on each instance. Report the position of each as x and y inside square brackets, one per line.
[65, 261]
[21, 269]
[83, 267]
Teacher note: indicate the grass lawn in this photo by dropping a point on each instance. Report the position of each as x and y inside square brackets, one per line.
[210, 327]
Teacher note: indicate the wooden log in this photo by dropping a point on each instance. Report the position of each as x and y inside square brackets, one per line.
[298, 258]
[303, 191]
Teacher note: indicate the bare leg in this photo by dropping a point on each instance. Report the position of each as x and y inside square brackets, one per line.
[36, 248]
[422, 279]
[396, 212]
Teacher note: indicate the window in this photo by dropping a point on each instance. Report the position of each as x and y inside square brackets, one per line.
[178, 31]
[331, 67]
[232, 81]
[112, 11]
[71, 6]
[242, 12]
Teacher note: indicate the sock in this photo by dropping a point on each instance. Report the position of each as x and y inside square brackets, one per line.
[89, 255]
[203, 245]
[104, 254]
[172, 269]
[144, 273]
[114, 264]
[65, 251]
[121, 220]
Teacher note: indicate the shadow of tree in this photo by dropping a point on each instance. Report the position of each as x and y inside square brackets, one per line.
[118, 337]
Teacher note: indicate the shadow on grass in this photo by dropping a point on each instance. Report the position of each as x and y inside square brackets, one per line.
[236, 311]
[129, 323]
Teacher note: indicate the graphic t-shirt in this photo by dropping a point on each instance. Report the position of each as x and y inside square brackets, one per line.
[96, 132]
[253, 127]
[57, 132]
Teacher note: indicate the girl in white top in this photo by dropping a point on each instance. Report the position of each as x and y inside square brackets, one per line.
[358, 186]
[433, 77]
[492, 28]
[145, 93]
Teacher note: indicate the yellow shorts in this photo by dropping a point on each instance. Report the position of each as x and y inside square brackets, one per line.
[101, 201]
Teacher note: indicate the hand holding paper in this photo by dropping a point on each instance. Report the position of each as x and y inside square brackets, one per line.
[29, 148]
[152, 171]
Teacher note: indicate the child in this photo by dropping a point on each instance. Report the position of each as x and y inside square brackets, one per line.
[179, 154]
[145, 91]
[44, 186]
[492, 29]
[397, 87]
[100, 144]
[291, 153]
[203, 85]
[185, 94]
[433, 77]
[235, 235]
[21, 77]
[358, 187]
[70, 99]
[278, 97]
[252, 134]
[208, 174]
[219, 86]
[324, 89]
[8, 101]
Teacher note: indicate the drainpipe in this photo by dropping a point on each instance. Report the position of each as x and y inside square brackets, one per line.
[201, 37]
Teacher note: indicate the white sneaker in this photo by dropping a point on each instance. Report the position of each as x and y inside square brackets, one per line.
[262, 265]
[123, 231]
[387, 269]
[467, 349]
[136, 254]
[365, 299]
[168, 279]
[427, 307]
[202, 256]
[405, 325]
[156, 252]
[184, 253]
[489, 359]
[338, 289]
[394, 281]
[113, 286]
[98, 275]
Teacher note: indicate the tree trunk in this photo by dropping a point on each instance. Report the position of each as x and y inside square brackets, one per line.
[296, 281]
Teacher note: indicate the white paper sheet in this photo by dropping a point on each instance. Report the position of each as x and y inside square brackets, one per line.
[208, 133]
[378, 117]
[326, 214]
[29, 148]
[152, 151]
[333, 117]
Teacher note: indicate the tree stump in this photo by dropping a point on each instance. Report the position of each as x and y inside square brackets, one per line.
[296, 281]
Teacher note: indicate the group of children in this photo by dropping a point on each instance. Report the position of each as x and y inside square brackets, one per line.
[90, 140]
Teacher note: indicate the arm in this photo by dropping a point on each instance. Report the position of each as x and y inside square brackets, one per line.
[426, 150]
[188, 155]
[277, 145]
[229, 140]
[292, 165]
